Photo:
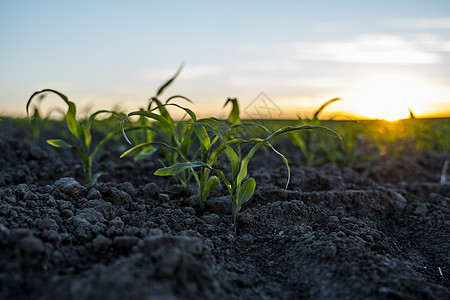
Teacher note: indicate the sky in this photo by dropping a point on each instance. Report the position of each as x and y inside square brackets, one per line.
[280, 59]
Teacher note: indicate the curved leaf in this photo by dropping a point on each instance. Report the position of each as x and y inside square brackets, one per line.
[322, 107]
[141, 146]
[59, 143]
[245, 192]
[179, 96]
[169, 82]
[95, 114]
[70, 116]
[234, 117]
[180, 167]
[166, 125]
[211, 184]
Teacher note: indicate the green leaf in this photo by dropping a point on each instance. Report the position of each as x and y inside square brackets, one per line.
[212, 183]
[232, 156]
[59, 143]
[322, 107]
[179, 96]
[215, 154]
[164, 123]
[234, 160]
[186, 141]
[154, 144]
[298, 141]
[245, 192]
[243, 125]
[102, 143]
[187, 110]
[233, 118]
[225, 181]
[203, 137]
[180, 167]
[169, 82]
[145, 154]
[70, 116]
[95, 114]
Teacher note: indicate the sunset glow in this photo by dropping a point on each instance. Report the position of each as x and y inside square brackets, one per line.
[381, 58]
[390, 96]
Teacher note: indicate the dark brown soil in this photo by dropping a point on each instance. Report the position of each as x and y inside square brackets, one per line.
[378, 230]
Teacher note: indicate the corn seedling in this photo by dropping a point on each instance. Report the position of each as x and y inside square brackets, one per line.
[176, 137]
[239, 186]
[82, 133]
[152, 130]
[310, 144]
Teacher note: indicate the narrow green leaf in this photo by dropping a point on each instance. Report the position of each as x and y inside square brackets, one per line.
[211, 184]
[187, 110]
[186, 141]
[178, 96]
[59, 143]
[169, 82]
[203, 137]
[234, 117]
[234, 160]
[166, 125]
[241, 125]
[225, 181]
[245, 192]
[102, 143]
[95, 114]
[155, 144]
[146, 154]
[287, 129]
[177, 168]
[70, 116]
[322, 107]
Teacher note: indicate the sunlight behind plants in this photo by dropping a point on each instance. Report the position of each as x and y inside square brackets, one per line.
[389, 96]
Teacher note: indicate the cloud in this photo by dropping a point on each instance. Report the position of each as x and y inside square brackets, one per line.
[372, 49]
[421, 23]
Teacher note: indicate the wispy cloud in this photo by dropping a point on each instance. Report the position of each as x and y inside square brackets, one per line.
[373, 49]
[421, 23]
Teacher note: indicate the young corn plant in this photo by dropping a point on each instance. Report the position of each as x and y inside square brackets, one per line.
[175, 138]
[151, 129]
[82, 133]
[310, 144]
[240, 186]
[208, 155]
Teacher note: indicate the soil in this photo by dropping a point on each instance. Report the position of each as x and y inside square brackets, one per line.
[378, 230]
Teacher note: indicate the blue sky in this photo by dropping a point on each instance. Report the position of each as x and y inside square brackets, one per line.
[377, 56]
